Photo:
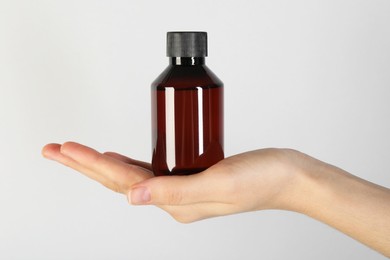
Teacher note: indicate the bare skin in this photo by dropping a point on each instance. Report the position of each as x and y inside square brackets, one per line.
[282, 179]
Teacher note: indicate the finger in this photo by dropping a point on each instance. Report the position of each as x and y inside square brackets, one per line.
[105, 165]
[52, 152]
[114, 174]
[128, 160]
[208, 186]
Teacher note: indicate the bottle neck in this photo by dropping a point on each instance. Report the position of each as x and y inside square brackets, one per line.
[187, 61]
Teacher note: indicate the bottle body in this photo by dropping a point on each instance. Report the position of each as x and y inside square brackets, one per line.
[187, 119]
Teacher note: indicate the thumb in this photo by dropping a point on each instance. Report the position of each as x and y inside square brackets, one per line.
[179, 190]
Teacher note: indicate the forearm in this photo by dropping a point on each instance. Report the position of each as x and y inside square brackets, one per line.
[352, 205]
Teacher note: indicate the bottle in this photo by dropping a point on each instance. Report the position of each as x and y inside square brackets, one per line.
[187, 109]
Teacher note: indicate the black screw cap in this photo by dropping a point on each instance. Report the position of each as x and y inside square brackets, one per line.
[187, 44]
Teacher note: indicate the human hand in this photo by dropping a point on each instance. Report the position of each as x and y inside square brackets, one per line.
[113, 170]
[256, 180]
[261, 179]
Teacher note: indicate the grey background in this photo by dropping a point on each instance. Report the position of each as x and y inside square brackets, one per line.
[310, 75]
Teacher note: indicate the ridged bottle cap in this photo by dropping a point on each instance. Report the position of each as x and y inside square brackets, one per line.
[187, 44]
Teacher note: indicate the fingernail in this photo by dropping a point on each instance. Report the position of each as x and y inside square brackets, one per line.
[140, 196]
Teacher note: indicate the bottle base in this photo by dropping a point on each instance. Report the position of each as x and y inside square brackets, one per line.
[185, 171]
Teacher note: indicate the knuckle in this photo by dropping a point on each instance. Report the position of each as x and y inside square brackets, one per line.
[174, 197]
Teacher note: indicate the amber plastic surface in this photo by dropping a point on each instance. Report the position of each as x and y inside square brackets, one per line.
[187, 118]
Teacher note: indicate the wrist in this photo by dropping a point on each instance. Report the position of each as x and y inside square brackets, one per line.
[290, 180]
[305, 186]
[343, 201]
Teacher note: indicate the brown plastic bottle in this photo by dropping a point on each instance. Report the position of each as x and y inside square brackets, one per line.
[187, 109]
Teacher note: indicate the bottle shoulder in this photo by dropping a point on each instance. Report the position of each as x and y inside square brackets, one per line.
[212, 75]
[187, 77]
